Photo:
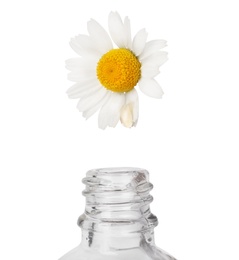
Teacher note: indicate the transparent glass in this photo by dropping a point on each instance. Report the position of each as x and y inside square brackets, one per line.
[117, 223]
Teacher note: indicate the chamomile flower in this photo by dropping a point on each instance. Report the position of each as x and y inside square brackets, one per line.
[105, 76]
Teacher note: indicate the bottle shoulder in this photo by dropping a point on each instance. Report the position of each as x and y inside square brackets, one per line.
[139, 253]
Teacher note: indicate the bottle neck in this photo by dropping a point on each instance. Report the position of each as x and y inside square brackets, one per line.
[117, 207]
[115, 241]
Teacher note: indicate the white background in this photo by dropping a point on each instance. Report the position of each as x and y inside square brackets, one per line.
[188, 141]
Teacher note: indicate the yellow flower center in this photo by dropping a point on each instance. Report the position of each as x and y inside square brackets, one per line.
[119, 70]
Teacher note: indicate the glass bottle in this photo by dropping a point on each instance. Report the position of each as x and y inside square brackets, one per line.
[117, 223]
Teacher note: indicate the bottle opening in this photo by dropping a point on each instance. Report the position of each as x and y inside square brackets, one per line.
[116, 197]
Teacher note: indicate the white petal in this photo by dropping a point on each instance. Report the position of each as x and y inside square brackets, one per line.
[84, 46]
[110, 113]
[90, 101]
[88, 113]
[84, 91]
[80, 75]
[126, 116]
[99, 36]
[150, 88]
[156, 59]
[139, 42]
[152, 47]
[149, 71]
[76, 63]
[128, 32]
[73, 88]
[73, 64]
[81, 68]
[130, 111]
[117, 30]
[79, 86]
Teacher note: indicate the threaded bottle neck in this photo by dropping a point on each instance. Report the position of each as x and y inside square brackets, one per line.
[119, 197]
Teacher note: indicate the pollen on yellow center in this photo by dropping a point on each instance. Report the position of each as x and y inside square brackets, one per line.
[119, 70]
